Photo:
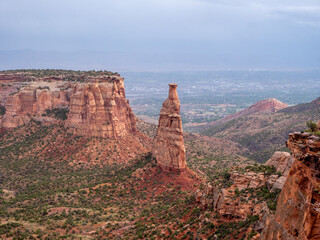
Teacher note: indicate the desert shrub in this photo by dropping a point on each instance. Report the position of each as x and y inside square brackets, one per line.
[58, 113]
[2, 110]
[312, 126]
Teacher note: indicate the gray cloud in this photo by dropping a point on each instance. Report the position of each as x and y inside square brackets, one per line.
[223, 30]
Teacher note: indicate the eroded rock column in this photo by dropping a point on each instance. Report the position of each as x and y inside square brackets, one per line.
[168, 147]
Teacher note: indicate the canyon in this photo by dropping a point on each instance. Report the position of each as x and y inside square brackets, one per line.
[111, 174]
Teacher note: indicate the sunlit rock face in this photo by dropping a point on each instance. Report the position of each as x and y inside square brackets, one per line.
[100, 109]
[298, 209]
[168, 146]
[97, 104]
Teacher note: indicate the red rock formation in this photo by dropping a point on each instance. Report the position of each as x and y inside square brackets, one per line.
[298, 210]
[100, 109]
[97, 104]
[30, 101]
[227, 201]
[168, 146]
[269, 105]
[282, 162]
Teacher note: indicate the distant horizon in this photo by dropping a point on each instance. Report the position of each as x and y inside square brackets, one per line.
[125, 62]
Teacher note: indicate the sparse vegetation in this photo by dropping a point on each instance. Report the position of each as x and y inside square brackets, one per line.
[58, 113]
[2, 110]
[312, 126]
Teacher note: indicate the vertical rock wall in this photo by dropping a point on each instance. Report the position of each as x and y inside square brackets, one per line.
[298, 210]
[168, 146]
[29, 102]
[100, 109]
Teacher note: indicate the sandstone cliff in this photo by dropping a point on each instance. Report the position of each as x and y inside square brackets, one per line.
[168, 147]
[101, 110]
[298, 210]
[32, 101]
[96, 101]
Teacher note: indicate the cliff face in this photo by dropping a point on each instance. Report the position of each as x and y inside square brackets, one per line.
[32, 101]
[97, 104]
[298, 210]
[168, 146]
[101, 110]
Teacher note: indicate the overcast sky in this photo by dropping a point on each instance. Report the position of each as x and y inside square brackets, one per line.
[223, 33]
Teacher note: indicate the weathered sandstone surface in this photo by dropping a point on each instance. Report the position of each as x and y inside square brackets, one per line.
[101, 110]
[97, 104]
[168, 146]
[31, 101]
[298, 210]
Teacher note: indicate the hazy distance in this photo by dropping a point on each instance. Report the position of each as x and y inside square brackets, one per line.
[149, 35]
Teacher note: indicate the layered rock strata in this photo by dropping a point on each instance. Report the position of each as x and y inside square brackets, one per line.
[97, 104]
[32, 101]
[298, 210]
[168, 146]
[101, 110]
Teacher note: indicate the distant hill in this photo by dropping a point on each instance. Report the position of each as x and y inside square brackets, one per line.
[269, 105]
[263, 133]
[302, 107]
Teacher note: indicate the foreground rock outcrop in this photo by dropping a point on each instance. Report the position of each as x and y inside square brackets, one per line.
[247, 192]
[168, 147]
[298, 209]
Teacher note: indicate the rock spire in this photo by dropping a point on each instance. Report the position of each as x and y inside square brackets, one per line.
[168, 146]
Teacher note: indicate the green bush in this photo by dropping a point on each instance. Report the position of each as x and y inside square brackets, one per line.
[58, 113]
[312, 126]
[2, 110]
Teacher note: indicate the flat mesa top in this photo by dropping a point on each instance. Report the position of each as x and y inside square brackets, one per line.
[173, 84]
